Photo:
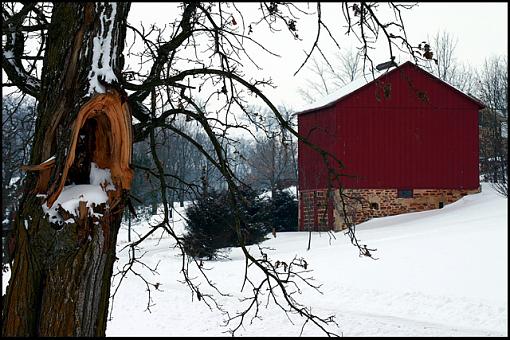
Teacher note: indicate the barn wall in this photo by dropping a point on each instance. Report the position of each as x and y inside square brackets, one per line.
[406, 130]
[320, 129]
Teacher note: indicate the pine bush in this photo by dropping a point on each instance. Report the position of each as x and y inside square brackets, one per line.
[210, 224]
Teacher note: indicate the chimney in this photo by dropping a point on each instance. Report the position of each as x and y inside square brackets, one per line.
[387, 65]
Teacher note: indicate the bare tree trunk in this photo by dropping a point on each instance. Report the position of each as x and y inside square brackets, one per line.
[60, 280]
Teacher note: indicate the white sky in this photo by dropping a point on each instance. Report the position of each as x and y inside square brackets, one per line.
[481, 30]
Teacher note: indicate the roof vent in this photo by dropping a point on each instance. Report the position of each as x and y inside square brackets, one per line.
[387, 65]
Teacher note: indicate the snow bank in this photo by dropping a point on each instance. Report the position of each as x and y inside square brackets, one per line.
[440, 273]
[142, 226]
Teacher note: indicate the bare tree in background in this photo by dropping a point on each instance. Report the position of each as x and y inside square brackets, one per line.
[493, 91]
[490, 85]
[272, 156]
[181, 160]
[447, 66]
[270, 164]
[89, 87]
[17, 133]
[344, 68]
[444, 45]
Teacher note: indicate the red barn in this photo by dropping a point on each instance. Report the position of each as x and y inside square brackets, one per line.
[408, 142]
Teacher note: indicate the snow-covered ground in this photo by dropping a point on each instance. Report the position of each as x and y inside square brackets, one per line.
[439, 273]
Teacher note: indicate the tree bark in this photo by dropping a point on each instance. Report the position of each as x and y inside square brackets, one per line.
[60, 280]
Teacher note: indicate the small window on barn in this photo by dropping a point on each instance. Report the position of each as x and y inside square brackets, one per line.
[405, 193]
[374, 206]
[441, 205]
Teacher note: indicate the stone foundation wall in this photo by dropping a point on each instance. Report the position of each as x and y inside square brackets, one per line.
[364, 204]
[306, 207]
[314, 210]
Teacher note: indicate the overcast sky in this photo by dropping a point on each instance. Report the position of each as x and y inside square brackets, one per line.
[481, 27]
[481, 30]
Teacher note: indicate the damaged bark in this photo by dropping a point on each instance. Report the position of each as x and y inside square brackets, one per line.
[60, 279]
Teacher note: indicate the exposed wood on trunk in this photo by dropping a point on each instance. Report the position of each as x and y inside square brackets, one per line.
[113, 144]
[39, 167]
[113, 138]
[44, 174]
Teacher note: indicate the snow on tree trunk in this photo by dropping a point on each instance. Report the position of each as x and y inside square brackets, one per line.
[64, 246]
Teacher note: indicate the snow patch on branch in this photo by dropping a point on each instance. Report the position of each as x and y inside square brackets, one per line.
[49, 159]
[71, 195]
[11, 59]
[14, 180]
[8, 53]
[102, 54]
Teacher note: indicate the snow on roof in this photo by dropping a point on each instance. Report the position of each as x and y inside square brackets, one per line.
[359, 83]
[341, 92]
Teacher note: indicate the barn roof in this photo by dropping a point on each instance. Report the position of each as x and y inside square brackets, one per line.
[366, 79]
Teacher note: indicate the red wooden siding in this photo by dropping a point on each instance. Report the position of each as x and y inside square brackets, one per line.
[400, 141]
